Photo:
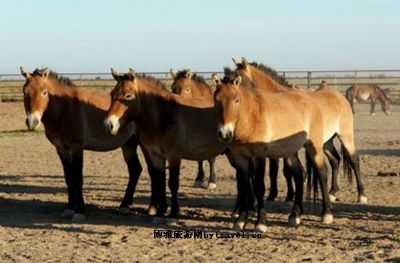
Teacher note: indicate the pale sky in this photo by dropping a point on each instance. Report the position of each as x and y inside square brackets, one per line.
[92, 36]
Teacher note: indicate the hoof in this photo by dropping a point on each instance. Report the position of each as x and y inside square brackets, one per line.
[294, 221]
[211, 186]
[332, 198]
[124, 210]
[327, 219]
[78, 217]
[198, 184]
[372, 114]
[172, 222]
[237, 227]
[289, 204]
[67, 213]
[261, 228]
[252, 213]
[234, 215]
[363, 199]
[152, 211]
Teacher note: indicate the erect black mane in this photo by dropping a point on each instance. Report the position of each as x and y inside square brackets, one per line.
[196, 77]
[53, 75]
[156, 81]
[272, 73]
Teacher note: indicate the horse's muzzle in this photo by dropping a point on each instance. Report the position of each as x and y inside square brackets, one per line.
[33, 121]
[225, 133]
[112, 124]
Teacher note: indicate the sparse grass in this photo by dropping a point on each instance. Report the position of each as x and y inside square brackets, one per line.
[19, 133]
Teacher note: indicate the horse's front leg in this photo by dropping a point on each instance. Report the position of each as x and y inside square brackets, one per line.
[273, 178]
[296, 170]
[198, 182]
[259, 189]
[129, 150]
[372, 110]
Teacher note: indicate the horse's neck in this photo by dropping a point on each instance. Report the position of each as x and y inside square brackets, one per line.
[156, 110]
[59, 97]
[203, 89]
[266, 82]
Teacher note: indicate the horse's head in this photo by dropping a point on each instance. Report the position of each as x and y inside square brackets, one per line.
[123, 97]
[385, 107]
[227, 98]
[36, 96]
[183, 84]
[244, 69]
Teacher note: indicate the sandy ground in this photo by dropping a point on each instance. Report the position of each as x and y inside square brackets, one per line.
[33, 194]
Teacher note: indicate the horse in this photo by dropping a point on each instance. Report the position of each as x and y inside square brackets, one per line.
[72, 119]
[187, 84]
[170, 128]
[258, 124]
[270, 81]
[369, 91]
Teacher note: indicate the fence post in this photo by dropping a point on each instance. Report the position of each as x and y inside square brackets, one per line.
[355, 78]
[309, 79]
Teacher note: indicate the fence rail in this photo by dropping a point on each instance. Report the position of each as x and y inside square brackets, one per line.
[389, 79]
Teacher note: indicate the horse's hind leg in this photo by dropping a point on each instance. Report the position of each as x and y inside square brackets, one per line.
[288, 176]
[351, 156]
[173, 183]
[294, 167]
[212, 182]
[273, 176]
[129, 151]
[77, 174]
[198, 182]
[317, 156]
[334, 161]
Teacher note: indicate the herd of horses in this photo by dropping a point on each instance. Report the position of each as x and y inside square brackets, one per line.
[252, 114]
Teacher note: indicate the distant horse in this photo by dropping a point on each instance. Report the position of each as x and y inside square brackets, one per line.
[366, 92]
[72, 118]
[170, 128]
[258, 124]
[189, 85]
[267, 79]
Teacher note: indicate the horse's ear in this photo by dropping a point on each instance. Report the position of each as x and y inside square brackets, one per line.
[235, 61]
[245, 62]
[237, 81]
[45, 73]
[188, 74]
[115, 74]
[131, 74]
[173, 73]
[25, 73]
[216, 79]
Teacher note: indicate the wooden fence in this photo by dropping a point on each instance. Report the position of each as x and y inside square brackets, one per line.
[389, 80]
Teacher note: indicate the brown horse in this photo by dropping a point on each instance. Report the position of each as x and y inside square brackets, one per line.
[278, 125]
[72, 118]
[170, 128]
[370, 92]
[268, 80]
[189, 85]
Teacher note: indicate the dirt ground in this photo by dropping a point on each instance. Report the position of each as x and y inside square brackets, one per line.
[33, 195]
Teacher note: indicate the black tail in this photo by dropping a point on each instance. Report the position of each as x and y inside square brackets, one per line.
[347, 165]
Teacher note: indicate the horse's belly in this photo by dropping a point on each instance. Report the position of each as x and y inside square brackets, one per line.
[286, 147]
[363, 95]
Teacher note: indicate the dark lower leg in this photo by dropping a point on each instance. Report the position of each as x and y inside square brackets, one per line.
[200, 172]
[288, 176]
[173, 184]
[273, 176]
[78, 181]
[259, 187]
[134, 169]
[213, 176]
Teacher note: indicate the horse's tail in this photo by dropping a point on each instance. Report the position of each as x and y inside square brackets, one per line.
[312, 179]
[347, 165]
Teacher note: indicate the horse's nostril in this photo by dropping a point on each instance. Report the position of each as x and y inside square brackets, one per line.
[220, 134]
[229, 135]
[111, 126]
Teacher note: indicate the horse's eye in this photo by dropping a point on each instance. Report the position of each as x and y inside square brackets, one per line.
[237, 101]
[128, 96]
[187, 90]
[44, 94]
